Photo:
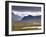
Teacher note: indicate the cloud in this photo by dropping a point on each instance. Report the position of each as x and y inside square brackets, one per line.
[22, 14]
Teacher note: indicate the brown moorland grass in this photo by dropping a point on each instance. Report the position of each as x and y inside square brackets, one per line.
[17, 26]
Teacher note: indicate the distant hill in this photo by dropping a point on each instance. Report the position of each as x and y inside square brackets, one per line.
[31, 18]
[28, 18]
[15, 17]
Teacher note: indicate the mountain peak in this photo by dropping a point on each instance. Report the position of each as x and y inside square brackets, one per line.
[30, 17]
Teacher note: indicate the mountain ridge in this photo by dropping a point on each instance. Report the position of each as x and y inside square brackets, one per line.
[31, 18]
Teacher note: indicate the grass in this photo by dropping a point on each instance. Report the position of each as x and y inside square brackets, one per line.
[17, 26]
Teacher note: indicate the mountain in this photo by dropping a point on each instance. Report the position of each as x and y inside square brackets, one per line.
[28, 18]
[31, 18]
[15, 17]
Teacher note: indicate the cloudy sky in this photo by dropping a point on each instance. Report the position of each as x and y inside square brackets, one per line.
[25, 11]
